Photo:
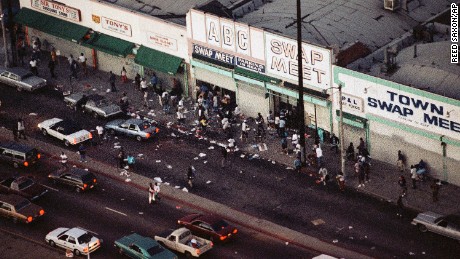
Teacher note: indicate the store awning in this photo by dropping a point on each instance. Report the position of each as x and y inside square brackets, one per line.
[256, 76]
[109, 44]
[51, 25]
[157, 60]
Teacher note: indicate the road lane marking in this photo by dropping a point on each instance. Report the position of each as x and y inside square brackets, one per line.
[116, 211]
[54, 189]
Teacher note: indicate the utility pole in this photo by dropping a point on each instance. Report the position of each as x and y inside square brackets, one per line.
[12, 33]
[342, 141]
[5, 46]
[300, 104]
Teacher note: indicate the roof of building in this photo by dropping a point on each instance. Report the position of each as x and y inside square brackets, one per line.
[427, 71]
[173, 11]
[337, 23]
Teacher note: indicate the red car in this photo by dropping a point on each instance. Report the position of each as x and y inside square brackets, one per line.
[209, 227]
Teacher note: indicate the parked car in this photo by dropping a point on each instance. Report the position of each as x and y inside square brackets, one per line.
[64, 130]
[77, 178]
[18, 154]
[21, 78]
[137, 128]
[137, 246]
[448, 226]
[182, 241]
[95, 104]
[78, 240]
[19, 209]
[24, 186]
[209, 226]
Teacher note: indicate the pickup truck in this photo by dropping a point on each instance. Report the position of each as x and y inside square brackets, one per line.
[24, 186]
[182, 240]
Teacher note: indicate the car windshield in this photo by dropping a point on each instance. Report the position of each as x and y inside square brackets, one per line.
[24, 203]
[24, 184]
[85, 238]
[26, 76]
[102, 103]
[155, 250]
[88, 177]
[219, 225]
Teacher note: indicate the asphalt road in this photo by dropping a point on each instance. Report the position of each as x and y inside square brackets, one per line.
[115, 209]
[257, 187]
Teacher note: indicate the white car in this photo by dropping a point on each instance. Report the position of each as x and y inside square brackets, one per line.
[78, 240]
[64, 130]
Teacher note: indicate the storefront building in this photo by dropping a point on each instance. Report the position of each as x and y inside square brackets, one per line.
[110, 37]
[392, 117]
[257, 68]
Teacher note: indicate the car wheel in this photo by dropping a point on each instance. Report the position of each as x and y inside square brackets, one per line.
[77, 189]
[422, 228]
[111, 131]
[15, 220]
[51, 243]
[95, 115]
[15, 165]
[44, 132]
[138, 138]
[76, 252]
[188, 254]
[66, 143]
[19, 89]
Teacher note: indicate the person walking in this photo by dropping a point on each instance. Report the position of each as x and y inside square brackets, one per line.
[145, 100]
[244, 131]
[190, 176]
[295, 139]
[100, 134]
[282, 127]
[137, 81]
[112, 82]
[413, 176]
[63, 158]
[284, 145]
[82, 61]
[319, 155]
[121, 158]
[124, 78]
[82, 152]
[340, 181]
[298, 165]
[351, 152]
[224, 157]
[361, 146]
[144, 85]
[154, 81]
[435, 186]
[156, 191]
[323, 175]
[33, 66]
[21, 129]
[401, 162]
[403, 185]
[52, 66]
[334, 143]
[260, 125]
[73, 69]
[151, 193]
[53, 55]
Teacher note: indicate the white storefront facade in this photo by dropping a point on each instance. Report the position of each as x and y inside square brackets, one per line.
[396, 117]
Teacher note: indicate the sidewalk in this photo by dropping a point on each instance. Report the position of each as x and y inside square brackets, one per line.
[384, 176]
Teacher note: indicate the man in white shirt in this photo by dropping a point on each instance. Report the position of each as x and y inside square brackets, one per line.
[33, 67]
[100, 133]
[63, 160]
[82, 61]
[319, 155]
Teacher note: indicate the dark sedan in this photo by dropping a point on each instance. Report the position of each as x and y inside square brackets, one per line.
[77, 178]
[21, 79]
[209, 227]
[24, 186]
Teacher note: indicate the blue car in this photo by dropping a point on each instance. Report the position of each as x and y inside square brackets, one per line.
[137, 246]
